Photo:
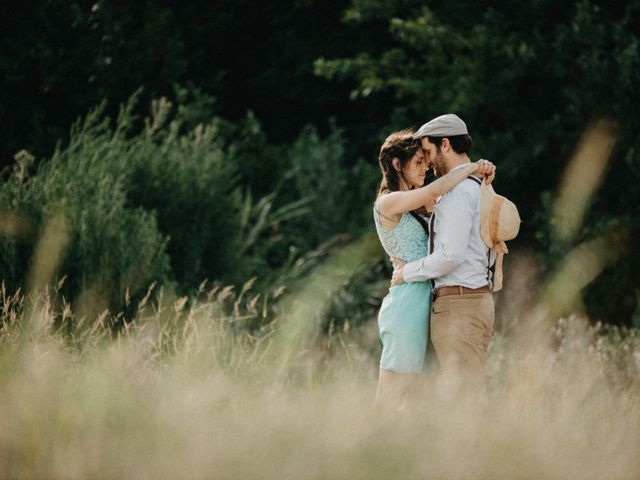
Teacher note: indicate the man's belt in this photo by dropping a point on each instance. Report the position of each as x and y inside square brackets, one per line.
[458, 290]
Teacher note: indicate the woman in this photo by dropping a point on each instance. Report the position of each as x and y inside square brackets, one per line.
[404, 314]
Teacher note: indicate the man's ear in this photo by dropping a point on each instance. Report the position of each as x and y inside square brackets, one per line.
[445, 145]
[396, 164]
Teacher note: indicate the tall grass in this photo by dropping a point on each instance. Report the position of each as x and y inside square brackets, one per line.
[186, 392]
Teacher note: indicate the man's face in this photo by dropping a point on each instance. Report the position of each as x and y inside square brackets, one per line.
[435, 157]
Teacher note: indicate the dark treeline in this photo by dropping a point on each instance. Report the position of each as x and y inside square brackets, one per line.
[60, 58]
[295, 99]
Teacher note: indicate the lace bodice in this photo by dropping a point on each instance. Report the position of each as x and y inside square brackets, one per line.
[406, 241]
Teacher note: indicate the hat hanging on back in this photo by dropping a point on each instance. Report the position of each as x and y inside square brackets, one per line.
[499, 222]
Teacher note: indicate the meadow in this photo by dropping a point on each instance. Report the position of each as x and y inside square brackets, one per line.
[185, 391]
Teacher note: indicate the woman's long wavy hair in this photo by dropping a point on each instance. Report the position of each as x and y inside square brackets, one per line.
[400, 145]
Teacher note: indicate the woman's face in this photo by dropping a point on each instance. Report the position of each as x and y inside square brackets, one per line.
[416, 169]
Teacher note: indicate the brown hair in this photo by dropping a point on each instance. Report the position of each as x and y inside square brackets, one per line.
[459, 143]
[400, 145]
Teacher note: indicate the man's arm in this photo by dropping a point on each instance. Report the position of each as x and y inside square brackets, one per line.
[453, 237]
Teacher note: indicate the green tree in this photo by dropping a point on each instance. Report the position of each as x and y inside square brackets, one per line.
[60, 58]
[527, 79]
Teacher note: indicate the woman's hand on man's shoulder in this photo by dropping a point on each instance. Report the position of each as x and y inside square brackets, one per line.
[484, 169]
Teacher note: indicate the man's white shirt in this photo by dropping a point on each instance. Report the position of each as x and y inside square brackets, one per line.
[459, 255]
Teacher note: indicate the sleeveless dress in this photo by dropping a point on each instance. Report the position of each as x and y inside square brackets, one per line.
[404, 314]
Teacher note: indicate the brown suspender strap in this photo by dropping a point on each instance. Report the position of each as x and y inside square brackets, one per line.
[432, 234]
[475, 179]
[421, 221]
[479, 182]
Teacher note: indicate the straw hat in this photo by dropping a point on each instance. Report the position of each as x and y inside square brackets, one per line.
[499, 222]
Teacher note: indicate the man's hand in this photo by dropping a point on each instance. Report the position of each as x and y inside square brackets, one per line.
[398, 269]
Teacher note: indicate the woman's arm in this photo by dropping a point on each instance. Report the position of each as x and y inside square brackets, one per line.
[395, 203]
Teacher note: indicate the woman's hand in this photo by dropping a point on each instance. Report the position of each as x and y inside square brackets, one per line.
[484, 169]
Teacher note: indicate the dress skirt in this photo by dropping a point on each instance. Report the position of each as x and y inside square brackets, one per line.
[404, 325]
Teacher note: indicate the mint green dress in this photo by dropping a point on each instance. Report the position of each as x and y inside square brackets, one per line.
[404, 315]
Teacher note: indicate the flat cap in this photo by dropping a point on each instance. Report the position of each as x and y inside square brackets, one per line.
[448, 125]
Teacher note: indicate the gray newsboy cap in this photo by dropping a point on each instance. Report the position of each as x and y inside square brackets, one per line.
[448, 125]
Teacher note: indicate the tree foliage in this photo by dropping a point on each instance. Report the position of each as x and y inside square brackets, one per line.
[278, 112]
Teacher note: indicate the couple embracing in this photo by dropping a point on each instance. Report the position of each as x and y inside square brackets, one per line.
[441, 286]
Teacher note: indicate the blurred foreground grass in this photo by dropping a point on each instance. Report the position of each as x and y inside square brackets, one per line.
[184, 392]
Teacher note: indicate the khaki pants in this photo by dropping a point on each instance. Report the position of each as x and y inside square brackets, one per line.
[461, 328]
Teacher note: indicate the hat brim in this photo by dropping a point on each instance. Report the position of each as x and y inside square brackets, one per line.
[499, 217]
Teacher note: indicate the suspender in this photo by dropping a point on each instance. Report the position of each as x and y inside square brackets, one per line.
[475, 179]
[420, 220]
[432, 234]
[479, 182]
[429, 230]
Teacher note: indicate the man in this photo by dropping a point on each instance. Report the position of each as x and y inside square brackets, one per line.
[458, 262]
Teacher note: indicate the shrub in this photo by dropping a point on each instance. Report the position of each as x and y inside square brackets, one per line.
[141, 206]
[111, 245]
[316, 168]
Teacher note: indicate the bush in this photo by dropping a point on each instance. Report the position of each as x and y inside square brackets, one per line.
[316, 167]
[111, 245]
[187, 180]
[173, 200]
[151, 205]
